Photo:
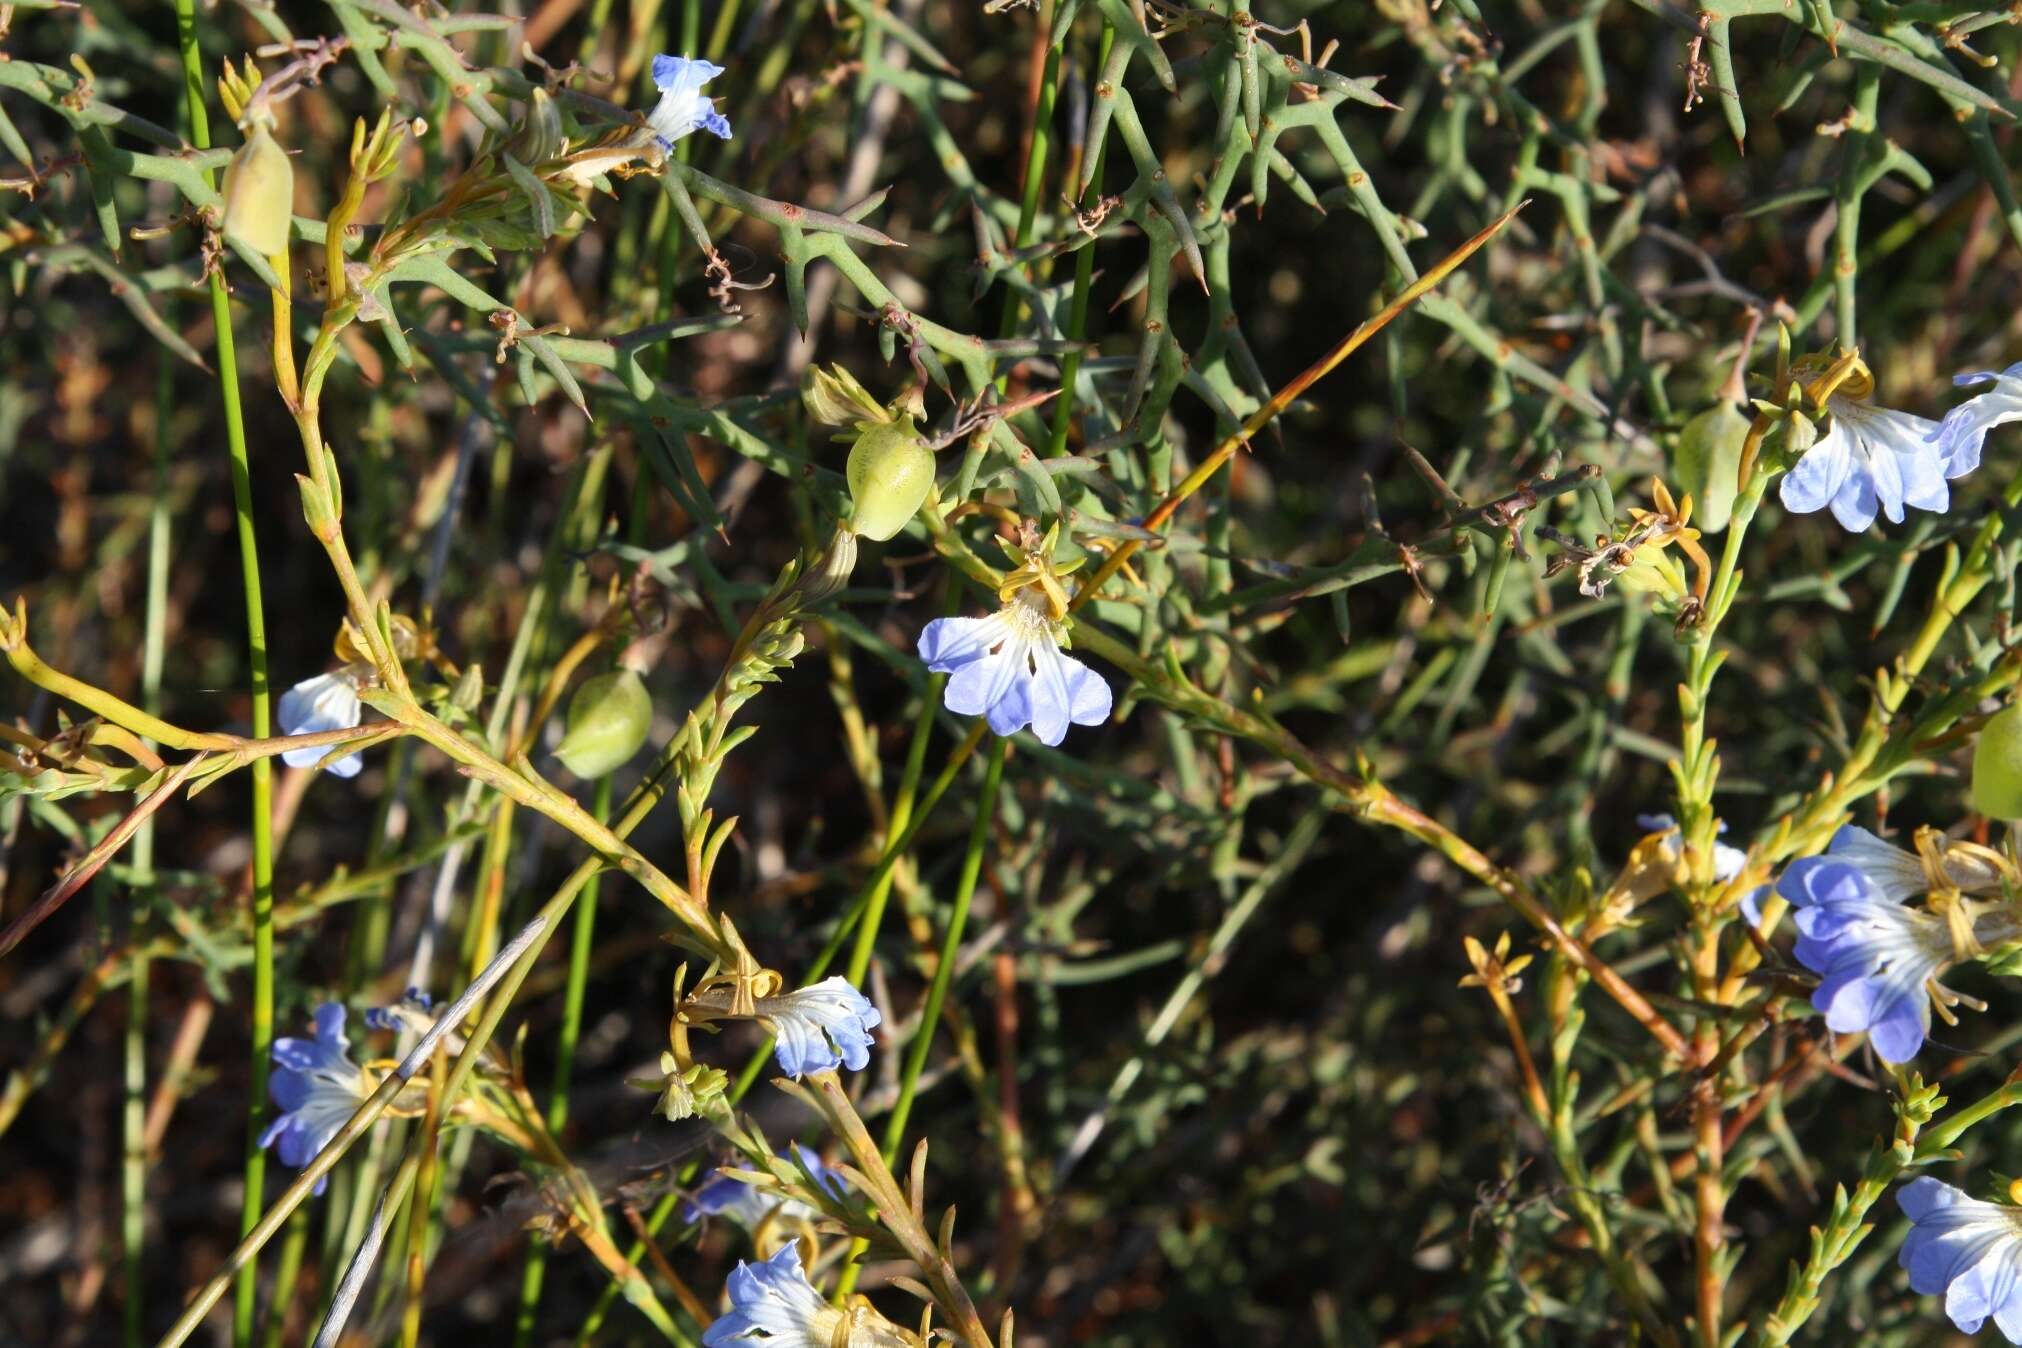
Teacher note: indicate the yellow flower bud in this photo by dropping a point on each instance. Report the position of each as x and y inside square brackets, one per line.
[260, 194]
[608, 720]
[890, 470]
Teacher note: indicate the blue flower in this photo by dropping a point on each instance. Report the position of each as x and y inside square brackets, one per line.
[682, 109]
[749, 1206]
[1009, 668]
[1964, 430]
[1871, 456]
[820, 1028]
[317, 1086]
[1901, 875]
[1967, 1249]
[773, 1303]
[326, 702]
[411, 1012]
[1727, 861]
[1874, 955]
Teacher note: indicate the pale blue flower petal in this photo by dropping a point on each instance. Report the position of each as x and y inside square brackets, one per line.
[410, 1012]
[1872, 460]
[681, 74]
[1047, 697]
[977, 687]
[1727, 861]
[1854, 504]
[1816, 478]
[1969, 1250]
[946, 644]
[316, 1086]
[1897, 873]
[1874, 955]
[1751, 904]
[773, 1304]
[326, 702]
[1962, 435]
[1088, 697]
[820, 1028]
[727, 1196]
[1009, 668]
[1924, 482]
[1012, 709]
[1884, 477]
[682, 109]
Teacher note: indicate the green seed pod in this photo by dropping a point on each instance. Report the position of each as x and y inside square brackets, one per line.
[890, 469]
[260, 194]
[608, 720]
[1707, 461]
[1997, 766]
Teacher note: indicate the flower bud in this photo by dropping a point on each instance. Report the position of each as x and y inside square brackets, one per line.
[687, 1093]
[608, 720]
[890, 470]
[1997, 765]
[835, 398]
[827, 574]
[1707, 462]
[539, 138]
[260, 194]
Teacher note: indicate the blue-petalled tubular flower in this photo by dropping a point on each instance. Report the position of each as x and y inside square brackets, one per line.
[326, 702]
[1727, 861]
[1878, 958]
[682, 110]
[1936, 865]
[725, 1195]
[317, 1087]
[1870, 458]
[411, 1012]
[773, 1305]
[1967, 1249]
[821, 1027]
[1963, 433]
[1010, 667]
[1874, 956]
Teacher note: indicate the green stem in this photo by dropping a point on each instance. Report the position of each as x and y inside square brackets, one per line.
[1035, 174]
[133, 1174]
[582, 938]
[951, 945]
[154, 645]
[1084, 279]
[256, 663]
[902, 816]
[880, 876]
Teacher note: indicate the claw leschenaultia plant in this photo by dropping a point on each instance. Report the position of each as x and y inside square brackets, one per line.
[1344, 672]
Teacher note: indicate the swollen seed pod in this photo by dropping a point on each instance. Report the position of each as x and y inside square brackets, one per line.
[260, 194]
[890, 469]
[1997, 765]
[608, 720]
[1707, 461]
